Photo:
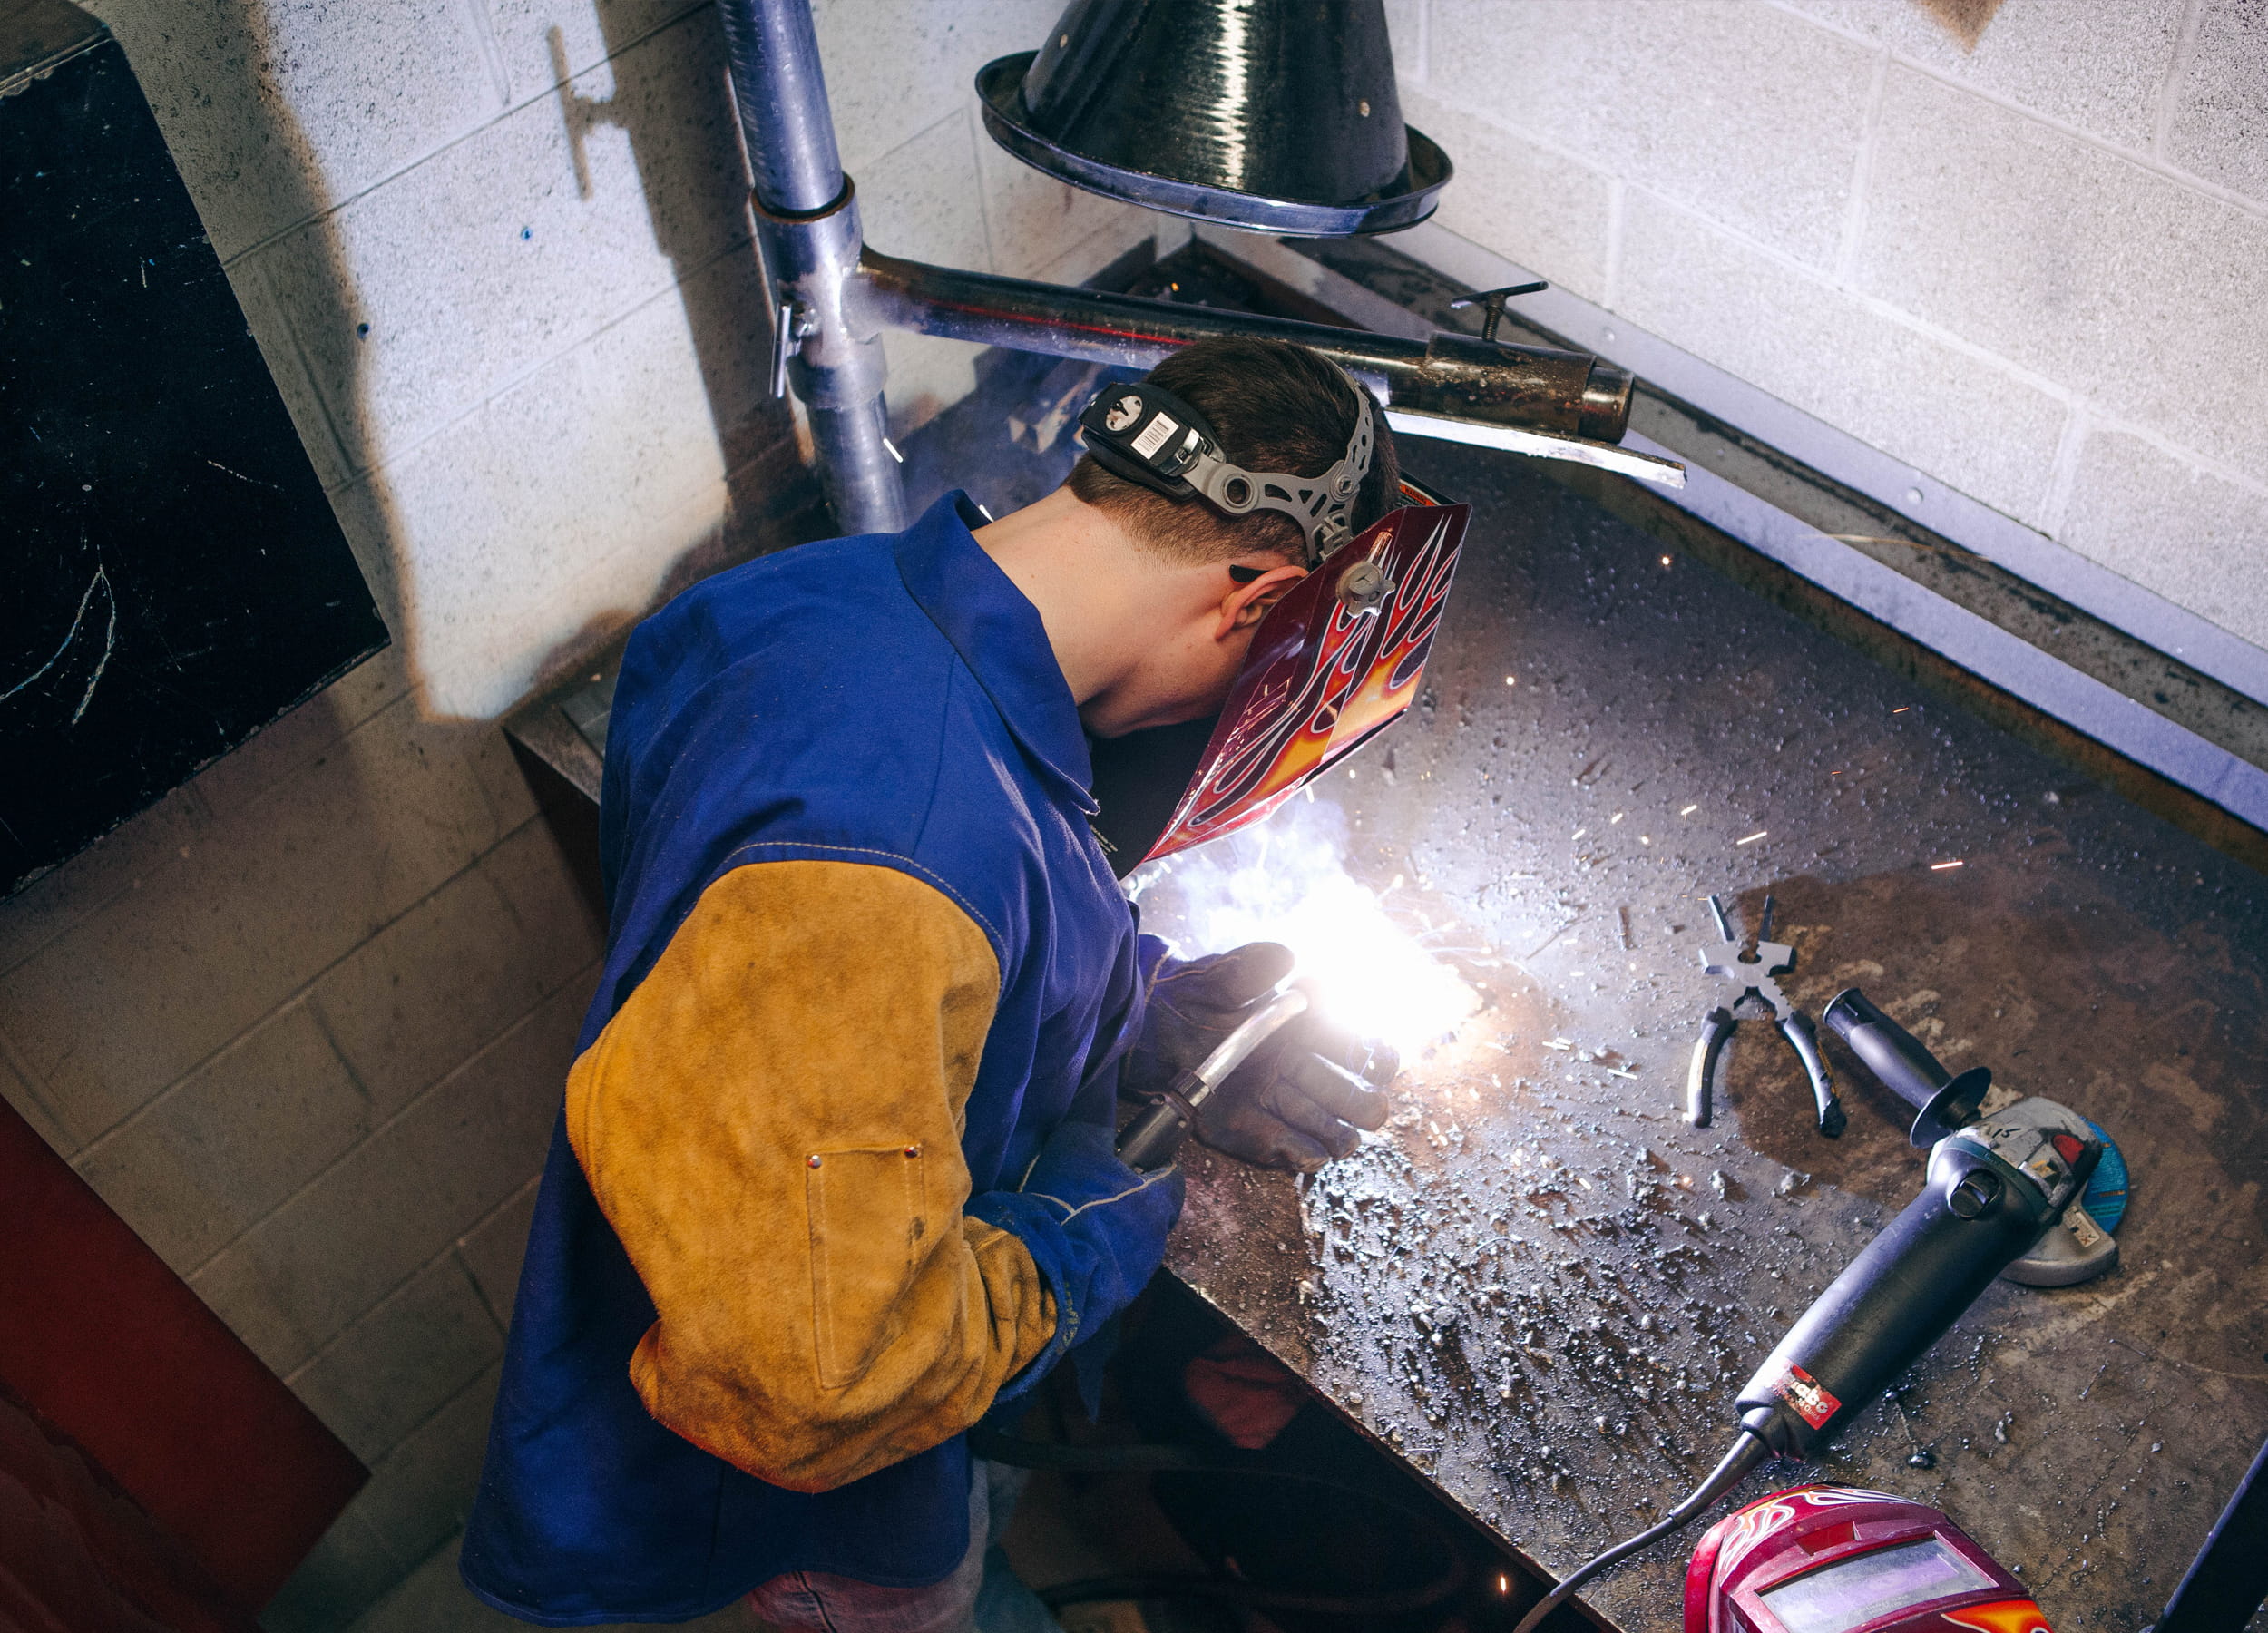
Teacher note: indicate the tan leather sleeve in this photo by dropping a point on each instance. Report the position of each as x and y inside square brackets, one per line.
[772, 1126]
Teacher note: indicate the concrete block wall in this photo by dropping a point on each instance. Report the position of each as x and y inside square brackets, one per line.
[2037, 268]
[305, 1023]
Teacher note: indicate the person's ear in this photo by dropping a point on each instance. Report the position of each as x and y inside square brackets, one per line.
[1250, 601]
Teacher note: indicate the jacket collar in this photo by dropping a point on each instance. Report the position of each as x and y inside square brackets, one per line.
[998, 635]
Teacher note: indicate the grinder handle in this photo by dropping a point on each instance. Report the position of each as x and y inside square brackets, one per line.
[1942, 1102]
[1975, 1216]
[1906, 1068]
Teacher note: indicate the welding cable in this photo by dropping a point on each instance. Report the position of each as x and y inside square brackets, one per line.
[1747, 1453]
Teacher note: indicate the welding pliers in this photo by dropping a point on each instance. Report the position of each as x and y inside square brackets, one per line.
[1739, 979]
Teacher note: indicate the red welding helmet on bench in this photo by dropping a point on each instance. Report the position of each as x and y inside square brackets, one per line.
[1824, 1558]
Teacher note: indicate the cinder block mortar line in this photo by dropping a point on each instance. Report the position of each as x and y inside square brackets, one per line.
[396, 456]
[330, 1038]
[1057, 270]
[2099, 419]
[744, 245]
[1617, 209]
[419, 1099]
[415, 1429]
[339, 1339]
[2063, 471]
[2140, 157]
[1862, 173]
[483, 22]
[457, 1248]
[458, 140]
[2176, 70]
[992, 249]
[204, 818]
[92, 1146]
[270, 302]
[1879, 307]
[14, 1059]
[1534, 139]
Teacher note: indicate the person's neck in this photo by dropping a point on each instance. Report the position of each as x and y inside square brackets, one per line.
[1103, 600]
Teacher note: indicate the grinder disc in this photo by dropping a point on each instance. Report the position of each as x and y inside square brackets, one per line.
[2080, 1247]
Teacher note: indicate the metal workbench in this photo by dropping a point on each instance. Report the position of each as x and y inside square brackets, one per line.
[1540, 1287]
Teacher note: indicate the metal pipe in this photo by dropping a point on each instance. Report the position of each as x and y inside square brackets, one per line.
[806, 220]
[781, 92]
[1454, 376]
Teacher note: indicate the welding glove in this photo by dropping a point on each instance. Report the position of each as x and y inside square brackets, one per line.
[1297, 1102]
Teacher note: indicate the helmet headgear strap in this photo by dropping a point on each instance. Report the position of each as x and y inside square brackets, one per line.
[1149, 435]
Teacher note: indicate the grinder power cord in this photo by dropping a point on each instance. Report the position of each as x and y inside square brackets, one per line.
[1992, 1191]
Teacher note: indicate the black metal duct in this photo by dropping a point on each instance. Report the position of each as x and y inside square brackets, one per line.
[1273, 115]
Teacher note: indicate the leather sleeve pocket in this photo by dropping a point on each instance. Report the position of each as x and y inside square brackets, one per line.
[869, 1224]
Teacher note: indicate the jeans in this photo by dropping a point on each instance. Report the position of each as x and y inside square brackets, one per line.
[983, 1595]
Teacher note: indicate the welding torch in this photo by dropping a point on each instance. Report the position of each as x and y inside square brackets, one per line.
[1155, 1134]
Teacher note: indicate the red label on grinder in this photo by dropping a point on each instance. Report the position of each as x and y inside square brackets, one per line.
[1800, 1390]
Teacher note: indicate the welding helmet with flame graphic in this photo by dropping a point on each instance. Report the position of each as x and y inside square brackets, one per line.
[1331, 664]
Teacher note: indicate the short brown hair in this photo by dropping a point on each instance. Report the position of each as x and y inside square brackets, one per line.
[1274, 407]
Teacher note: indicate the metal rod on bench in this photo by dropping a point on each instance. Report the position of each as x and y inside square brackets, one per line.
[807, 216]
[1453, 377]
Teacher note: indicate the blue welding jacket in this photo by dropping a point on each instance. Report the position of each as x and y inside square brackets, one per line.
[889, 694]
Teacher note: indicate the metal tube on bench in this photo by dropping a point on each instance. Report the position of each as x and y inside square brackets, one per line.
[1567, 394]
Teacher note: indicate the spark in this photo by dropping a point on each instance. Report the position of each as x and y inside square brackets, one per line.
[1285, 880]
[894, 452]
[1941, 866]
[239, 475]
[1664, 560]
[1902, 709]
[1511, 679]
[987, 514]
[1689, 810]
[1752, 838]
[1615, 818]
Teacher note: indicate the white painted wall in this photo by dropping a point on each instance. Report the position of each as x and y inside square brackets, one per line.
[497, 254]
[2038, 270]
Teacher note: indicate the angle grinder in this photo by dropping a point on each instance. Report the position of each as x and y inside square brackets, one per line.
[1994, 1187]
[2082, 1246]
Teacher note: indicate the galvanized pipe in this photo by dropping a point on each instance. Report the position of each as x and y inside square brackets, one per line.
[1456, 376]
[806, 218]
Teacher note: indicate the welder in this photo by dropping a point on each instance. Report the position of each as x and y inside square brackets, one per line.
[834, 1176]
